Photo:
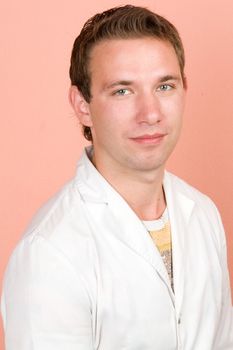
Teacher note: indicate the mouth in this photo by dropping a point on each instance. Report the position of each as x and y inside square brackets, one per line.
[147, 139]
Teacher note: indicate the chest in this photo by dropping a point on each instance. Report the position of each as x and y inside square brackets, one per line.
[133, 304]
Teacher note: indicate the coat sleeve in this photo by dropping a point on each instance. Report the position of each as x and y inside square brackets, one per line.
[45, 304]
[224, 338]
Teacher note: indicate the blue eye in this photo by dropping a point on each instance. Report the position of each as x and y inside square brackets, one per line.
[122, 92]
[165, 87]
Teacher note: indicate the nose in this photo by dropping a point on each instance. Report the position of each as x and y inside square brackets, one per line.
[148, 109]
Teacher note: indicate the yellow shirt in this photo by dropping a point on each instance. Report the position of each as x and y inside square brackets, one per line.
[162, 240]
[160, 232]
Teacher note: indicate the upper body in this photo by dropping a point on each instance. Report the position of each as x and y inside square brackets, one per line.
[87, 275]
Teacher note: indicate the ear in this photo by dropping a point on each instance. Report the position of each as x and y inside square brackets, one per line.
[80, 106]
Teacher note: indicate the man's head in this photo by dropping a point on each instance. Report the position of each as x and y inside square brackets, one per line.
[126, 22]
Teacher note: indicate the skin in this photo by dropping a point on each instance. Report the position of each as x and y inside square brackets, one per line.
[135, 116]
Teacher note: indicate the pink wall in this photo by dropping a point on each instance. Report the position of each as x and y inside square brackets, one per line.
[40, 138]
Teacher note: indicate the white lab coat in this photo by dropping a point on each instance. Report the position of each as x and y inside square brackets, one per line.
[87, 276]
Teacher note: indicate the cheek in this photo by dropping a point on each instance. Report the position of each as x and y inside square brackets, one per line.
[110, 117]
[104, 126]
[173, 110]
[175, 123]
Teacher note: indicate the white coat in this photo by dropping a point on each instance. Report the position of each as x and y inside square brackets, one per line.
[87, 276]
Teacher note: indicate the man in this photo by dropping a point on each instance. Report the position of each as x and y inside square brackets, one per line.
[126, 256]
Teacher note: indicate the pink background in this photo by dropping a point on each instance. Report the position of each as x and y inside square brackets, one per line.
[40, 137]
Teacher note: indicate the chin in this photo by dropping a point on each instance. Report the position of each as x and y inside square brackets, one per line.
[148, 166]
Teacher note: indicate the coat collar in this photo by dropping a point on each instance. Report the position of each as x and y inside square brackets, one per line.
[94, 190]
[91, 184]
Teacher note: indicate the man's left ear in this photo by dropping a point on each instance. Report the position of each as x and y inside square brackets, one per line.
[80, 106]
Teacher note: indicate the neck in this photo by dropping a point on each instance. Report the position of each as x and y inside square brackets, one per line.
[147, 200]
[142, 190]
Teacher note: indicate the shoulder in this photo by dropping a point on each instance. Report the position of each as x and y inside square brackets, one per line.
[56, 250]
[57, 213]
[58, 230]
[50, 263]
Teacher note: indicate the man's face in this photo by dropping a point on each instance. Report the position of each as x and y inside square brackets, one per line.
[137, 103]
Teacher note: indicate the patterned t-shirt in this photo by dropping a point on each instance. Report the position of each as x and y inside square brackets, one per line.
[160, 233]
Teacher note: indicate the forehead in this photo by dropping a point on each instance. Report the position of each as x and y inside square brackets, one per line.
[146, 54]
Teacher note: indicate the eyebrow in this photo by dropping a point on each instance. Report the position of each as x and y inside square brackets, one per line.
[117, 83]
[169, 77]
[163, 79]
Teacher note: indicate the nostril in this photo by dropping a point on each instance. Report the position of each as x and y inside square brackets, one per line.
[148, 109]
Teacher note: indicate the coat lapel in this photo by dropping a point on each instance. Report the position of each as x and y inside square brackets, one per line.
[134, 234]
[180, 208]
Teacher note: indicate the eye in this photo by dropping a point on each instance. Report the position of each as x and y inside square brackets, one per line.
[165, 87]
[122, 92]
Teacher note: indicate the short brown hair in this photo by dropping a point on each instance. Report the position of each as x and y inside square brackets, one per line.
[123, 22]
